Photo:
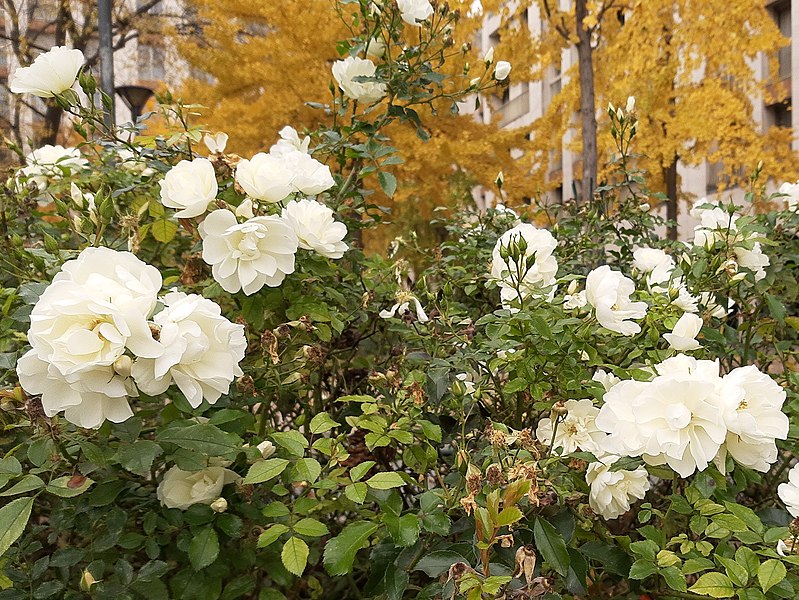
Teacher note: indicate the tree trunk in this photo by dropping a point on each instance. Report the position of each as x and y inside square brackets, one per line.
[585, 61]
[670, 178]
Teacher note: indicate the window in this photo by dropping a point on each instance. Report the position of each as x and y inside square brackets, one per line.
[779, 115]
[781, 11]
[151, 62]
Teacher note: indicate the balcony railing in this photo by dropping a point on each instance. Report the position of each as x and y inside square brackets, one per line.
[513, 108]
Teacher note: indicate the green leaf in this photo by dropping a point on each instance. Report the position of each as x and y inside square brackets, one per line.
[404, 530]
[65, 487]
[715, 585]
[203, 549]
[509, 515]
[310, 527]
[356, 492]
[264, 470]
[642, 568]
[306, 469]
[551, 545]
[674, 579]
[138, 457]
[438, 562]
[385, 481]
[271, 534]
[293, 441]
[388, 183]
[770, 573]
[24, 485]
[295, 555]
[358, 471]
[735, 571]
[611, 557]
[203, 438]
[13, 519]
[341, 550]
[164, 230]
[322, 422]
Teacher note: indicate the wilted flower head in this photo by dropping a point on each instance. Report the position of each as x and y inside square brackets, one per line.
[50, 73]
[402, 306]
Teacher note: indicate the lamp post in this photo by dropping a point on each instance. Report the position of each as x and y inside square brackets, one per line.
[106, 52]
[135, 98]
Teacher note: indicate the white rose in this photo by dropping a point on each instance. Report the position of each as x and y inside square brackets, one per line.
[403, 306]
[609, 293]
[532, 269]
[316, 227]
[715, 222]
[249, 255]
[310, 177]
[754, 418]
[376, 48]
[577, 430]
[608, 380]
[96, 395]
[133, 162]
[612, 491]
[51, 162]
[265, 177]
[789, 492]
[753, 259]
[290, 141]
[345, 71]
[180, 489]
[266, 448]
[414, 11]
[502, 70]
[51, 73]
[675, 419]
[791, 195]
[216, 143]
[683, 337]
[189, 187]
[201, 350]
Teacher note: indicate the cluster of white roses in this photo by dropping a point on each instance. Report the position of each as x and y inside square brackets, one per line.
[95, 342]
[524, 265]
[716, 224]
[356, 76]
[686, 417]
[246, 251]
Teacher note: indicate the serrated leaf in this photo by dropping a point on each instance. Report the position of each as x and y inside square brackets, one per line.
[271, 534]
[163, 230]
[358, 471]
[714, 585]
[264, 470]
[310, 527]
[642, 568]
[322, 422]
[67, 487]
[293, 441]
[203, 549]
[385, 481]
[306, 469]
[438, 562]
[674, 579]
[295, 555]
[203, 438]
[770, 573]
[24, 485]
[509, 515]
[340, 552]
[138, 457]
[13, 519]
[388, 183]
[356, 492]
[551, 545]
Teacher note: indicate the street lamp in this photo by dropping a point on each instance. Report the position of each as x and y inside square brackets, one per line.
[135, 98]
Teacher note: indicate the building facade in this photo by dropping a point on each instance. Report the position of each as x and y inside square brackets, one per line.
[523, 103]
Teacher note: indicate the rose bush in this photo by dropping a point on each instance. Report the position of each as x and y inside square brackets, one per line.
[211, 392]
